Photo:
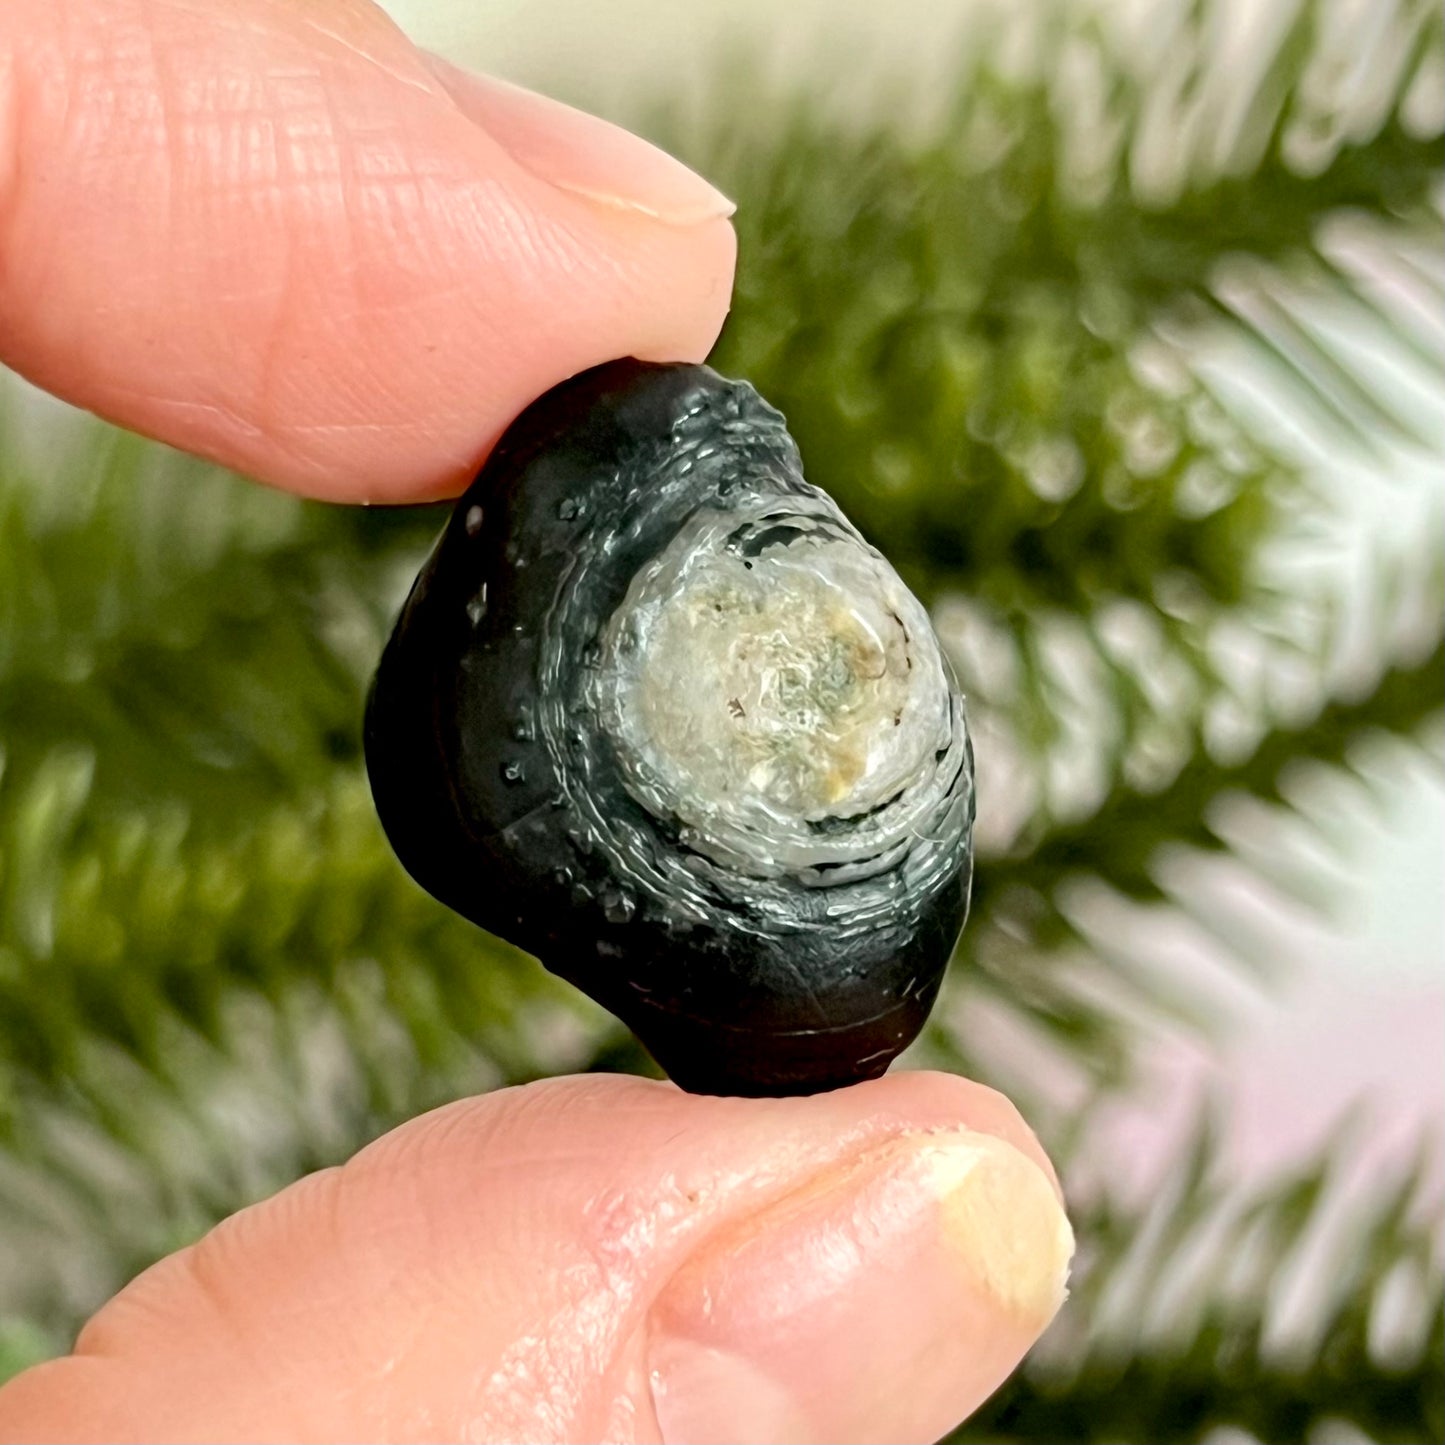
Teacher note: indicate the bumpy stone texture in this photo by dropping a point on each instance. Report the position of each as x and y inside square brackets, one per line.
[655, 712]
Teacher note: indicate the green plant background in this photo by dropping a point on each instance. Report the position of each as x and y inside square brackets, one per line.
[990, 339]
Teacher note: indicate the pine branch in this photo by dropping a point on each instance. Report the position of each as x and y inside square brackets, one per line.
[185, 619]
[1262, 199]
[1025, 970]
[124, 1161]
[187, 1024]
[998, 295]
[138, 922]
[1118, 843]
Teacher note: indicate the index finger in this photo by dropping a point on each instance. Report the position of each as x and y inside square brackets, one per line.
[279, 237]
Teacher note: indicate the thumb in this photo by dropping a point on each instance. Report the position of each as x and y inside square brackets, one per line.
[599, 1258]
[279, 236]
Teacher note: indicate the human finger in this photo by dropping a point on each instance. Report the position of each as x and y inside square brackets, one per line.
[270, 234]
[599, 1258]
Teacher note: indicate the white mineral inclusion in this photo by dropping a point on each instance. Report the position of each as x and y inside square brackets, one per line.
[759, 698]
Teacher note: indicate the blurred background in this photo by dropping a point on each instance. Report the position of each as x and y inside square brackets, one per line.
[1120, 327]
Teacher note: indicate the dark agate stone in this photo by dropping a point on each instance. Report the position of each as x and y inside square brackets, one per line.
[656, 713]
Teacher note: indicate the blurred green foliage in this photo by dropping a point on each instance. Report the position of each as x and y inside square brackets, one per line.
[988, 342]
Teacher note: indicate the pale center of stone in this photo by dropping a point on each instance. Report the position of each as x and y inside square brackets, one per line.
[789, 694]
[792, 686]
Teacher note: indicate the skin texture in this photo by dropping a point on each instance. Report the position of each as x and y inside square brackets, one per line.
[273, 233]
[598, 1258]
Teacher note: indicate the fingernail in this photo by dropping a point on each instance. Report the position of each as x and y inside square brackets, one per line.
[883, 1300]
[582, 154]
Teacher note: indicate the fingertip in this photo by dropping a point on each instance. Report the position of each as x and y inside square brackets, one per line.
[882, 1300]
[865, 1264]
[929, 1099]
[288, 250]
